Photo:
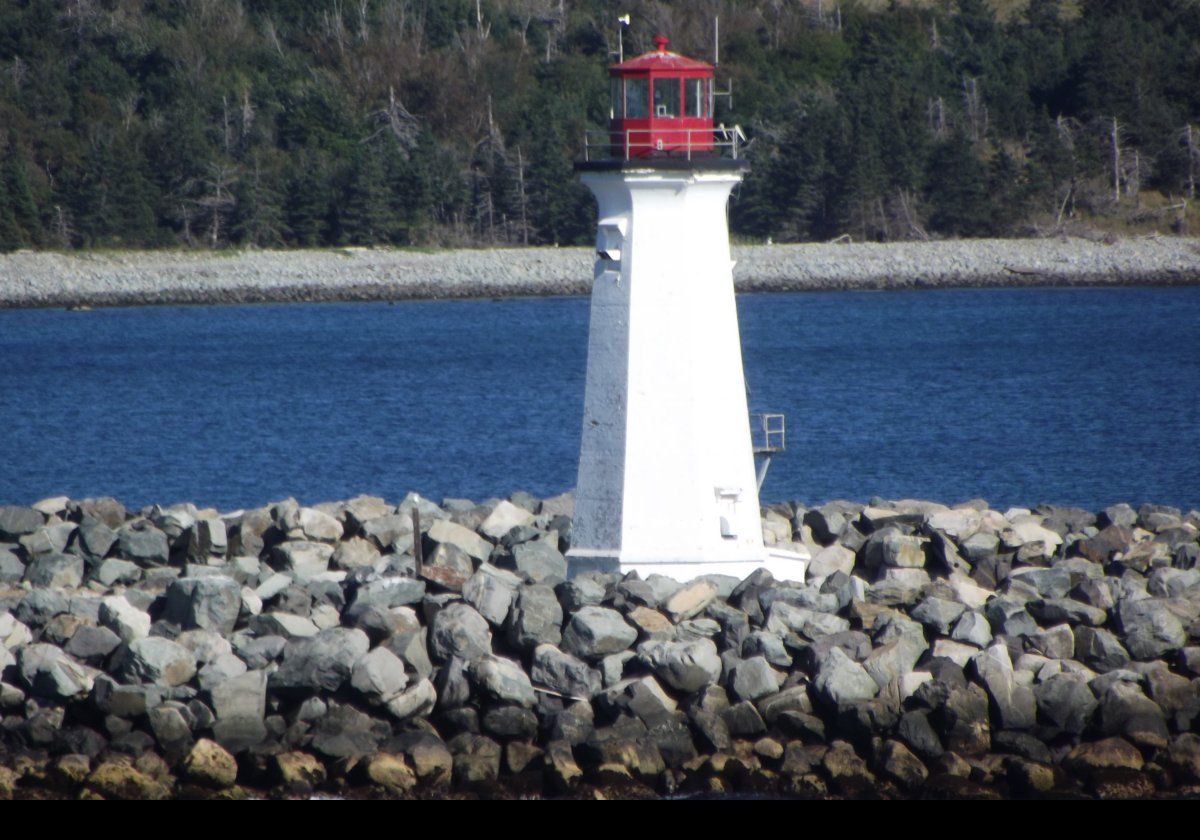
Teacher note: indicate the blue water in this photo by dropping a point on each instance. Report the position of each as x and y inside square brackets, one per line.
[1018, 396]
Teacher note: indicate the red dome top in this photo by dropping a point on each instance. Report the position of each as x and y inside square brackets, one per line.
[660, 59]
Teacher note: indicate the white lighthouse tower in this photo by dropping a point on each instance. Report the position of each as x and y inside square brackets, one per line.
[667, 482]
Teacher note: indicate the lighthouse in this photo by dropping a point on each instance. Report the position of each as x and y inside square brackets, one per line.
[667, 481]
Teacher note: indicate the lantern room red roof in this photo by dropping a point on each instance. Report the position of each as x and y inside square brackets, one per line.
[660, 60]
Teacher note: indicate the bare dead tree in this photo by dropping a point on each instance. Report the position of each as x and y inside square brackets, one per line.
[127, 106]
[217, 200]
[18, 71]
[522, 198]
[364, 27]
[1115, 150]
[397, 120]
[974, 110]
[271, 34]
[247, 115]
[62, 229]
[1135, 169]
[1190, 137]
[334, 28]
[936, 111]
[1067, 128]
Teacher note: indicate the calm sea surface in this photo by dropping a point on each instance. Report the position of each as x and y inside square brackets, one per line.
[1018, 396]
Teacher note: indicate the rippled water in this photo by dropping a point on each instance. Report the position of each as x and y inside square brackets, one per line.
[1080, 396]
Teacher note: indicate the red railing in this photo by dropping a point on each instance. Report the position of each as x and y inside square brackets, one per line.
[686, 143]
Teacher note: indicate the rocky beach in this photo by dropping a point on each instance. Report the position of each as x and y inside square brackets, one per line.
[115, 278]
[367, 648]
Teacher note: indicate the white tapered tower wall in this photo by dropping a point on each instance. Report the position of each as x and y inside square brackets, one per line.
[666, 470]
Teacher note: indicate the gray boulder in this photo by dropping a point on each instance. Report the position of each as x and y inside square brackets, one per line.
[751, 679]
[540, 562]
[1099, 649]
[535, 619]
[144, 544]
[207, 603]
[459, 630]
[239, 705]
[12, 569]
[1150, 628]
[491, 591]
[48, 672]
[1065, 705]
[685, 666]
[155, 660]
[595, 632]
[378, 676]
[92, 644]
[1014, 704]
[17, 522]
[840, 679]
[502, 680]
[562, 673]
[1056, 642]
[124, 619]
[416, 701]
[57, 571]
[938, 614]
[973, 629]
[445, 532]
[320, 663]
[304, 559]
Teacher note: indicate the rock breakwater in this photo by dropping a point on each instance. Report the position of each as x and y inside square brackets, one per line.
[369, 648]
[37, 279]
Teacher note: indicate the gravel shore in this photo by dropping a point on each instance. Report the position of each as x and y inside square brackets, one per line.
[39, 279]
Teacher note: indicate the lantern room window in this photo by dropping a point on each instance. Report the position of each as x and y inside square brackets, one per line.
[694, 99]
[666, 97]
[637, 98]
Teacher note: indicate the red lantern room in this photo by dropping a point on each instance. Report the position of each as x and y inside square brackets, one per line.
[661, 105]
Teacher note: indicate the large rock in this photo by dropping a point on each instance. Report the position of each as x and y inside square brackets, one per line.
[155, 660]
[1013, 702]
[754, 678]
[503, 518]
[535, 619]
[1125, 710]
[685, 666]
[206, 603]
[691, 600]
[210, 765]
[304, 559]
[502, 680]
[459, 630]
[595, 632]
[491, 591]
[17, 522]
[1150, 628]
[539, 561]
[415, 701]
[445, 532]
[124, 619]
[378, 676]
[1099, 649]
[48, 672]
[144, 544]
[321, 663]
[563, 673]
[840, 679]
[57, 571]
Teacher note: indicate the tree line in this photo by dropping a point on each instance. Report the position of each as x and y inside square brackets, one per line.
[286, 123]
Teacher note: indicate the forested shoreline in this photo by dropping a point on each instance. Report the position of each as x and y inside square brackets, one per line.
[247, 123]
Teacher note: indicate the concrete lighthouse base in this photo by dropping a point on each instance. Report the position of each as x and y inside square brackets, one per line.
[783, 565]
